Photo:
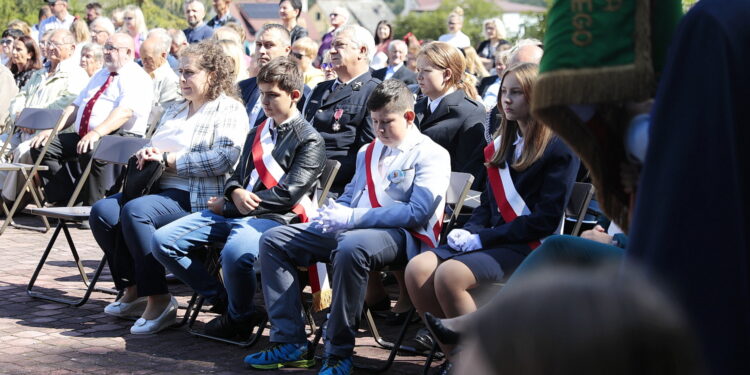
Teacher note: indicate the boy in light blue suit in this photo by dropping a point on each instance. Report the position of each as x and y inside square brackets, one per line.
[392, 207]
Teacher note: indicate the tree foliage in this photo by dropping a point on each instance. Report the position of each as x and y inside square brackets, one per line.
[430, 25]
[158, 13]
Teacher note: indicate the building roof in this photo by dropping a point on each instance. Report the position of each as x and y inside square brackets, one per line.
[512, 7]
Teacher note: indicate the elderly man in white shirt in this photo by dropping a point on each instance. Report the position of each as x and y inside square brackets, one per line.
[54, 87]
[154, 52]
[60, 19]
[116, 99]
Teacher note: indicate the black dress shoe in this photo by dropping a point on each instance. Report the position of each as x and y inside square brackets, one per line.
[226, 328]
[439, 331]
[382, 305]
[445, 368]
[424, 339]
[219, 305]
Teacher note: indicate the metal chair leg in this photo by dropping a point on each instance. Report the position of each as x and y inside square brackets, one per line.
[89, 283]
[428, 362]
[393, 346]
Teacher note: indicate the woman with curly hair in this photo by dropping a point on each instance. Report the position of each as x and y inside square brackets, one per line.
[199, 143]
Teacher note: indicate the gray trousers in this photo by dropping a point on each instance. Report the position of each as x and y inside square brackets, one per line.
[353, 254]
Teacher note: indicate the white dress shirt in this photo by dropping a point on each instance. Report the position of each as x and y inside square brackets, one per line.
[490, 96]
[131, 88]
[391, 155]
[52, 23]
[175, 136]
[435, 103]
[458, 40]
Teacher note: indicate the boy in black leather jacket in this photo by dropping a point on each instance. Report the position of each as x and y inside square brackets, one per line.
[281, 161]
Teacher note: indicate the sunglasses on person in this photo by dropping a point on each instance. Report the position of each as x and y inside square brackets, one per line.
[7, 41]
[297, 55]
[326, 66]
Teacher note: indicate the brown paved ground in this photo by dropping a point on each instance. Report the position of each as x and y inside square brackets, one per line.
[39, 337]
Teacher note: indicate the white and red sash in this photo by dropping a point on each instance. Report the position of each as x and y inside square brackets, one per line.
[268, 170]
[510, 204]
[377, 197]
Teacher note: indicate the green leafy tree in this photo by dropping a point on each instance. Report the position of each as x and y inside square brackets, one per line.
[430, 25]
[158, 13]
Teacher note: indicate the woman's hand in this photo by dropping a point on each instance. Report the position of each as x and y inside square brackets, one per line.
[147, 154]
[598, 234]
[245, 200]
[216, 205]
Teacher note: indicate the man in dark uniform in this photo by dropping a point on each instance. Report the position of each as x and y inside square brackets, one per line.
[337, 107]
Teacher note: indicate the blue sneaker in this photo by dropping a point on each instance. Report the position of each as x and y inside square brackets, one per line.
[280, 355]
[336, 366]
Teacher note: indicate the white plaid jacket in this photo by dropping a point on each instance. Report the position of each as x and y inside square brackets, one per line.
[218, 137]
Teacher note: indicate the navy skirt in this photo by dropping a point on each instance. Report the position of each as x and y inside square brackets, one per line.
[487, 265]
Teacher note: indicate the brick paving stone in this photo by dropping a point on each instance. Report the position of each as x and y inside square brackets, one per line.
[28, 334]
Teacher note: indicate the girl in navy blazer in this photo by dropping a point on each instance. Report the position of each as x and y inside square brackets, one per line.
[530, 176]
[447, 113]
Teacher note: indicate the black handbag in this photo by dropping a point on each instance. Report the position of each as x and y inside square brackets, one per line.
[140, 182]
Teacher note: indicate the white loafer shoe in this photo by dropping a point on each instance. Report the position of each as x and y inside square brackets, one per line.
[166, 319]
[132, 309]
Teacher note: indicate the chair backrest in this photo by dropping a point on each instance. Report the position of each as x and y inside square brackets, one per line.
[458, 188]
[326, 179]
[38, 118]
[579, 203]
[112, 149]
[154, 117]
[116, 149]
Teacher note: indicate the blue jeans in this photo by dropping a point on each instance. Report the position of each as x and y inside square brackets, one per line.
[124, 232]
[172, 245]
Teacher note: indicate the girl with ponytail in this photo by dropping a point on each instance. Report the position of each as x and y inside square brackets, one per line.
[448, 112]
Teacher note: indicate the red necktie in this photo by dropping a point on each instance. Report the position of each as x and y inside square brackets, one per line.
[83, 129]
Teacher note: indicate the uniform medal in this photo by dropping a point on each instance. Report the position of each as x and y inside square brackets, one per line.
[336, 116]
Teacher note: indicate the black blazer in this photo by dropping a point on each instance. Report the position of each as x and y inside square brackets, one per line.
[545, 187]
[250, 94]
[403, 74]
[299, 150]
[458, 125]
[355, 122]
[485, 83]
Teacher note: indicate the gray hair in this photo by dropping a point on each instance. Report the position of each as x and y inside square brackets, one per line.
[342, 11]
[397, 43]
[162, 36]
[178, 36]
[67, 36]
[360, 37]
[105, 23]
[285, 37]
[96, 50]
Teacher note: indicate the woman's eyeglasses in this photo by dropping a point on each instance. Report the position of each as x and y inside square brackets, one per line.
[325, 66]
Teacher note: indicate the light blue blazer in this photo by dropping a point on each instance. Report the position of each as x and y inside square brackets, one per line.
[426, 176]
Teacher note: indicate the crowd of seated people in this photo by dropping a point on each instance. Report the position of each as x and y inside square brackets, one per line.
[243, 141]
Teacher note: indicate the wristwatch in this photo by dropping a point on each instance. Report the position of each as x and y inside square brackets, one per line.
[164, 156]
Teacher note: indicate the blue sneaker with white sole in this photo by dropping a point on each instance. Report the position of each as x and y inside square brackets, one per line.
[279, 355]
